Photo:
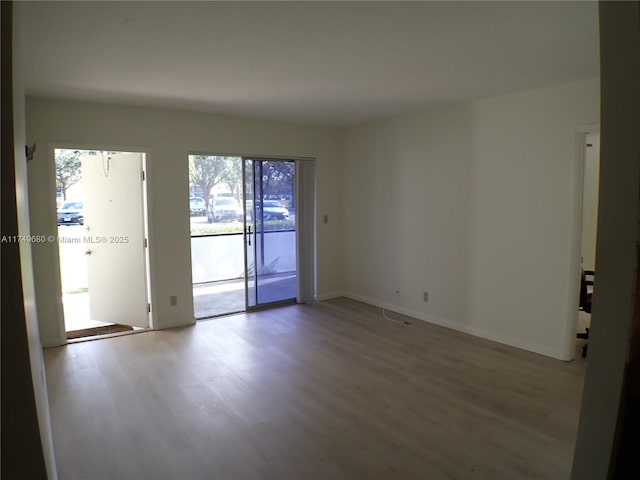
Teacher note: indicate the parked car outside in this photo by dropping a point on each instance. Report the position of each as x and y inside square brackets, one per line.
[224, 208]
[71, 212]
[272, 210]
[197, 206]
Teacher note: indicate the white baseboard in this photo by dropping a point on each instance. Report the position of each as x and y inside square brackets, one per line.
[329, 295]
[469, 329]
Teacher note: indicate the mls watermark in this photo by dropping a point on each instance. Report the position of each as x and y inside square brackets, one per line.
[83, 239]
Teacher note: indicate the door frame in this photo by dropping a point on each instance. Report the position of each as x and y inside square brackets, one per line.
[147, 212]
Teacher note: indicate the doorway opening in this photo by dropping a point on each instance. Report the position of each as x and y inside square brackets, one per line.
[101, 241]
[591, 180]
[244, 245]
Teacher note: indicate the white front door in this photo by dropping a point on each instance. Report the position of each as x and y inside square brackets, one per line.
[114, 227]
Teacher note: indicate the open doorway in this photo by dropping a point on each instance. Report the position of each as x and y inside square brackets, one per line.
[591, 180]
[102, 241]
[244, 245]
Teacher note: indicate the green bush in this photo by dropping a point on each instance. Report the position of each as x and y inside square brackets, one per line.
[216, 228]
[275, 225]
[237, 227]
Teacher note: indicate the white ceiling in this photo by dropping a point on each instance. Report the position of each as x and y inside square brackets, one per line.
[329, 63]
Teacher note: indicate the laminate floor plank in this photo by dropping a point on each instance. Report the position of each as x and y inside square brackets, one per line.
[325, 391]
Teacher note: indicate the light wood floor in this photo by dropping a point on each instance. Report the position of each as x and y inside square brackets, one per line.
[324, 391]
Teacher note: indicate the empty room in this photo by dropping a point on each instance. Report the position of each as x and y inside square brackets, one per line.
[318, 240]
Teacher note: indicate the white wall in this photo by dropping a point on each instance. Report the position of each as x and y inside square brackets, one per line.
[474, 203]
[27, 259]
[168, 136]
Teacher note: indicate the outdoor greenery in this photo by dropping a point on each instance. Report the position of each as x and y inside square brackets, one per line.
[68, 170]
[207, 171]
[234, 177]
[238, 227]
[77, 290]
[277, 179]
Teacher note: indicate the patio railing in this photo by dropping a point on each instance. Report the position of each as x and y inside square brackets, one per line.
[219, 257]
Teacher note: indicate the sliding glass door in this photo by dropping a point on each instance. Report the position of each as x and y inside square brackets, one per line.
[270, 231]
[252, 232]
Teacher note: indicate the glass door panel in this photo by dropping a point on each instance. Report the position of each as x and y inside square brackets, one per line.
[270, 234]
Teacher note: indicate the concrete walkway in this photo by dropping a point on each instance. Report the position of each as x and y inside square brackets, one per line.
[76, 312]
[220, 298]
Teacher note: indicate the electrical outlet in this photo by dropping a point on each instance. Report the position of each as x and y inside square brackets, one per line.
[173, 300]
[425, 296]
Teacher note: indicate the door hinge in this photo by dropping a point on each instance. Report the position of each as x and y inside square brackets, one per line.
[143, 176]
[148, 308]
[146, 243]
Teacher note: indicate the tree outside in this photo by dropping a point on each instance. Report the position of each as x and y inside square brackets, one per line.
[278, 180]
[68, 170]
[207, 171]
[234, 177]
